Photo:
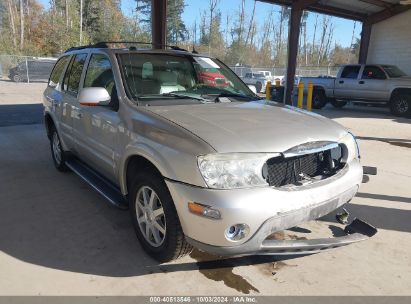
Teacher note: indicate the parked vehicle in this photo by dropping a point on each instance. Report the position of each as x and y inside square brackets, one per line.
[212, 77]
[256, 79]
[35, 70]
[217, 168]
[267, 75]
[371, 83]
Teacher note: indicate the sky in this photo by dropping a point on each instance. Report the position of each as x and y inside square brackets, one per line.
[342, 32]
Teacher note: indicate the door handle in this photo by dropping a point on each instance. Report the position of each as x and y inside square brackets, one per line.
[341, 81]
[79, 115]
[361, 82]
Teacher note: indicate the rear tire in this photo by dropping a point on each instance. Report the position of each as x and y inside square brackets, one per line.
[319, 99]
[155, 218]
[338, 103]
[57, 153]
[400, 105]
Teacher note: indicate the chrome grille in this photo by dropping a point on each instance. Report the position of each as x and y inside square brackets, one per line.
[297, 170]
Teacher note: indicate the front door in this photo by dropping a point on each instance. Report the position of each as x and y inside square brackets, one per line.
[96, 127]
[346, 85]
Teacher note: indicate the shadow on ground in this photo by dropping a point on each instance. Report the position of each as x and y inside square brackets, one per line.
[55, 220]
[361, 111]
[20, 114]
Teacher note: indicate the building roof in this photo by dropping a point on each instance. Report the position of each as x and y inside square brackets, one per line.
[362, 10]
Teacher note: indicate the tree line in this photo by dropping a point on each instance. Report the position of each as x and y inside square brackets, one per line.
[237, 37]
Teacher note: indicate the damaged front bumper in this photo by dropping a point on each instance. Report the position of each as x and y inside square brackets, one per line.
[357, 231]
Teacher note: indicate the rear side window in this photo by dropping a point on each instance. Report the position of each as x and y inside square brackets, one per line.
[57, 70]
[351, 72]
[73, 74]
[373, 72]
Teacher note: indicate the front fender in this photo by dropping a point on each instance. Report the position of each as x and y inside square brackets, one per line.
[176, 166]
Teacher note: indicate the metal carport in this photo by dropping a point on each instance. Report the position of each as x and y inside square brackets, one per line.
[369, 12]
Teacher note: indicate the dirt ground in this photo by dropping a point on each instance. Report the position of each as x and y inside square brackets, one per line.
[59, 237]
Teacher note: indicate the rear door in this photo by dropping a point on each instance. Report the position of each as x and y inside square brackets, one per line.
[346, 85]
[70, 89]
[53, 95]
[96, 127]
[373, 84]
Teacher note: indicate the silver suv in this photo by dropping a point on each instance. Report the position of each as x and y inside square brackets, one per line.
[197, 164]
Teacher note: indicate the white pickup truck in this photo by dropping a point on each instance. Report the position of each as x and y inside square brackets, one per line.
[257, 79]
[371, 83]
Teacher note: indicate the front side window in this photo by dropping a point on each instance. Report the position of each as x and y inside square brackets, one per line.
[73, 74]
[373, 72]
[100, 74]
[57, 71]
[350, 71]
[154, 75]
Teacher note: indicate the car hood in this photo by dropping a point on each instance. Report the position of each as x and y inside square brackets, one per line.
[251, 126]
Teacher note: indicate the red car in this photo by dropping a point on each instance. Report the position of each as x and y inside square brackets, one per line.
[212, 77]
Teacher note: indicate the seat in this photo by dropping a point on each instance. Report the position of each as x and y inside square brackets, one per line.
[168, 81]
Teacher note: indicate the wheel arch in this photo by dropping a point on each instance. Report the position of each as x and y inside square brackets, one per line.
[396, 91]
[132, 164]
[49, 124]
[318, 88]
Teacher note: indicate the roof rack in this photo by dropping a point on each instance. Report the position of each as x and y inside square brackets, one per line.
[105, 45]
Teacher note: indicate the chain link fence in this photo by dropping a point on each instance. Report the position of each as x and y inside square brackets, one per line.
[310, 71]
[37, 69]
[26, 68]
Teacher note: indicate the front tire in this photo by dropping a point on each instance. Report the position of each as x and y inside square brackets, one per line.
[319, 99]
[155, 218]
[57, 153]
[17, 78]
[400, 105]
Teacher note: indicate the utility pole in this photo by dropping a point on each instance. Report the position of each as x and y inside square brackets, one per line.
[81, 22]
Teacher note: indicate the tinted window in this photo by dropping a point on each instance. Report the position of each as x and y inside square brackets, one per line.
[73, 73]
[58, 69]
[351, 72]
[393, 71]
[373, 72]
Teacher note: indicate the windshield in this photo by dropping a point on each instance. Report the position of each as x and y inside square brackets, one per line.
[163, 76]
[393, 71]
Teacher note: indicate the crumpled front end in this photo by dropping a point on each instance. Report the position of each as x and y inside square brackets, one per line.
[263, 211]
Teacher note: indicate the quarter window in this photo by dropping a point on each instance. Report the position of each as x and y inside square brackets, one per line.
[57, 70]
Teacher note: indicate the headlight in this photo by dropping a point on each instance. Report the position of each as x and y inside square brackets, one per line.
[352, 147]
[236, 170]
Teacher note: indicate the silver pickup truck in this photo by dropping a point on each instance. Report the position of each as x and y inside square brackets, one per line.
[214, 167]
[371, 83]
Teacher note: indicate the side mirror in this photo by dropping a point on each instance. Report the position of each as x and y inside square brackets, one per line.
[252, 88]
[94, 97]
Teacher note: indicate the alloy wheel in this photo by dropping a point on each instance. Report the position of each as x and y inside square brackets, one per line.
[56, 148]
[150, 216]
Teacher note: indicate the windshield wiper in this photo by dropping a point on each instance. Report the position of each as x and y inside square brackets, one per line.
[229, 94]
[184, 96]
